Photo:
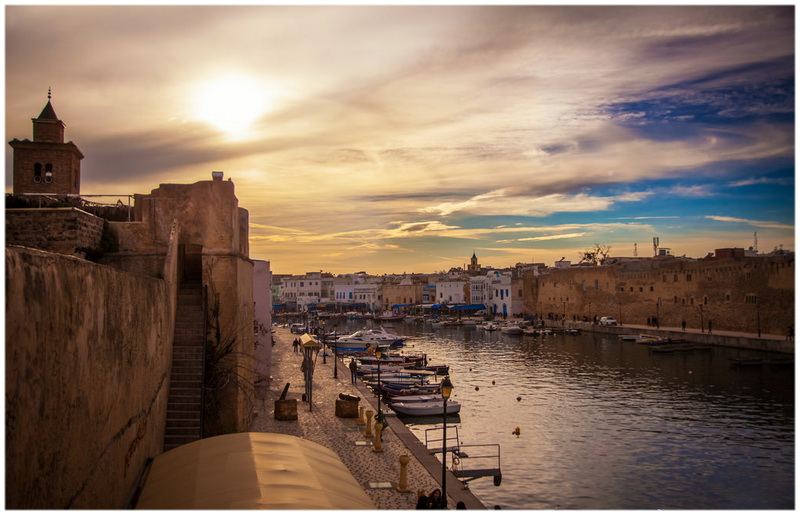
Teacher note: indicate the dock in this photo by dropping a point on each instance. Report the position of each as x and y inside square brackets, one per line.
[377, 472]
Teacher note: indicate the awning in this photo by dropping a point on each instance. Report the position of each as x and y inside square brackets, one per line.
[470, 306]
[437, 306]
[400, 306]
[251, 471]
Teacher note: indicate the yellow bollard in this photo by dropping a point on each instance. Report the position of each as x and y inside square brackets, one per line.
[376, 444]
[368, 432]
[402, 486]
[360, 420]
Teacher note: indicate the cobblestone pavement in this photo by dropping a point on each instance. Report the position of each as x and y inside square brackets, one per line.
[343, 435]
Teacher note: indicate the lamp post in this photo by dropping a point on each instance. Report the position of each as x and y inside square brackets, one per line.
[446, 389]
[335, 354]
[379, 414]
[324, 344]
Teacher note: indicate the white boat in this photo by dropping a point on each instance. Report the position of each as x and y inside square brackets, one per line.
[511, 329]
[488, 326]
[390, 315]
[426, 408]
[415, 398]
[364, 338]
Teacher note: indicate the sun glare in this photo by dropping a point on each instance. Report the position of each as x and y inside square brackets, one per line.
[230, 104]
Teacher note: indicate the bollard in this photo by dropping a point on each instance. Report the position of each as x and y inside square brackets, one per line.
[360, 420]
[402, 486]
[368, 414]
[376, 445]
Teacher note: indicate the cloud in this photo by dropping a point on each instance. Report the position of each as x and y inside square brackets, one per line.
[754, 223]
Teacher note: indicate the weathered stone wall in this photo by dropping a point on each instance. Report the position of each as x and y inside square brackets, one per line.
[62, 230]
[88, 354]
[735, 294]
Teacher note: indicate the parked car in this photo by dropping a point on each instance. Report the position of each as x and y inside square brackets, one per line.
[297, 328]
[608, 321]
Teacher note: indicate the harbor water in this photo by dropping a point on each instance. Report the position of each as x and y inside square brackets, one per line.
[610, 424]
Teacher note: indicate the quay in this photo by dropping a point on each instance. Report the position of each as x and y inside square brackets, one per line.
[377, 472]
[741, 340]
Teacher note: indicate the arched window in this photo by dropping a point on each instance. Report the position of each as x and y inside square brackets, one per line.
[48, 172]
[37, 172]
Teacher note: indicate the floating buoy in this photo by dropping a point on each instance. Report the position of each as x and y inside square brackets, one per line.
[470, 369]
[515, 431]
[492, 381]
[477, 388]
[519, 399]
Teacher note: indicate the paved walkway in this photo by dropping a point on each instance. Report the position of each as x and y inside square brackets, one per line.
[345, 437]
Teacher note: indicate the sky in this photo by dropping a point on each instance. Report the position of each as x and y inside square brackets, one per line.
[401, 139]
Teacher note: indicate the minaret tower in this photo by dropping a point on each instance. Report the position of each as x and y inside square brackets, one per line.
[474, 266]
[47, 164]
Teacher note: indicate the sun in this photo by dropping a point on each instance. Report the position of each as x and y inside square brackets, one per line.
[230, 104]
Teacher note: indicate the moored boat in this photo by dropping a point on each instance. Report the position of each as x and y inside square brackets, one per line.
[426, 408]
[363, 338]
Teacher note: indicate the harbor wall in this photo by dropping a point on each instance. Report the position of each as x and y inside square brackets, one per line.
[720, 339]
[88, 356]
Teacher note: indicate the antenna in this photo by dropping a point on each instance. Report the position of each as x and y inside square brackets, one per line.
[635, 250]
[755, 241]
[655, 246]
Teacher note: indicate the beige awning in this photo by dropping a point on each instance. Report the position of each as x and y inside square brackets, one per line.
[252, 471]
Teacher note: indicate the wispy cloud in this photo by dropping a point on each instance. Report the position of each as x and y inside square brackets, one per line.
[754, 223]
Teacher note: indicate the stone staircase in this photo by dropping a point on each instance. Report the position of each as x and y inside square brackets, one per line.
[184, 408]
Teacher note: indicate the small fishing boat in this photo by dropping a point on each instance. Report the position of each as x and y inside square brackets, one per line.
[421, 409]
[415, 398]
[511, 329]
[488, 326]
[391, 316]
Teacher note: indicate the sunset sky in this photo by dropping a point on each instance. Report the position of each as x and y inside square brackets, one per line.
[393, 139]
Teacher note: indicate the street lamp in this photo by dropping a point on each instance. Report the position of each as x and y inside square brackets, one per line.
[324, 344]
[446, 389]
[335, 354]
[378, 415]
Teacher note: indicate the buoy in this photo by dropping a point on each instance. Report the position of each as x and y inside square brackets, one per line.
[515, 431]
[492, 381]
[519, 399]
[477, 388]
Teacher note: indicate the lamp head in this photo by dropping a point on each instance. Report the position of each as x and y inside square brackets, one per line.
[446, 387]
[378, 353]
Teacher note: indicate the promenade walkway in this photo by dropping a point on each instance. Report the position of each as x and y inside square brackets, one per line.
[345, 437]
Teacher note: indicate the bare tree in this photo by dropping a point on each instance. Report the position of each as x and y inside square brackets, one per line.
[597, 255]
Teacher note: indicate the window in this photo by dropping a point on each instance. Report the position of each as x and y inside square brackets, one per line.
[751, 298]
[48, 172]
[37, 172]
[688, 277]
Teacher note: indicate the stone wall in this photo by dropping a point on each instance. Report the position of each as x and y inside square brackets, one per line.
[739, 294]
[88, 355]
[62, 230]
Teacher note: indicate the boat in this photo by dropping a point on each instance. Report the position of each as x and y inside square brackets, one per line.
[629, 337]
[488, 326]
[511, 329]
[421, 409]
[390, 316]
[649, 339]
[415, 398]
[364, 338]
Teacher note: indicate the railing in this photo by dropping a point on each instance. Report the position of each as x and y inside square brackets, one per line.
[468, 462]
[78, 200]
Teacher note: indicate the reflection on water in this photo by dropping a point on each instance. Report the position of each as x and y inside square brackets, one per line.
[606, 424]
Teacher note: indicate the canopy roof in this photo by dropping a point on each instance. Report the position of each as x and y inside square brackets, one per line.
[252, 471]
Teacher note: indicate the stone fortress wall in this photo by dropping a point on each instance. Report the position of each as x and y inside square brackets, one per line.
[88, 356]
[736, 294]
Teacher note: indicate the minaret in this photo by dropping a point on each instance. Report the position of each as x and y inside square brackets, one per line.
[47, 164]
[473, 263]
